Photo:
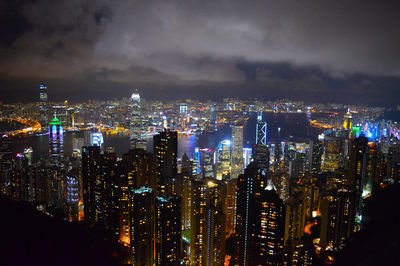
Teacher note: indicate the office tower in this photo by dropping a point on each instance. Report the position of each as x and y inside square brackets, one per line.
[261, 130]
[165, 150]
[96, 139]
[213, 119]
[259, 220]
[370, 183]
[137, 136]
[393, 162]
[338, 210]
[5, 164]
[223, 160]
[358, 161]
[267, 245]
[186, 165]
[230, 206]
[168, 230]
[290, 149]
[109, 194]
[249, 188]
[135, 170]
[91, 179]
[43, 106]
[315, 156]
[261, 156]
[56, 159]
[295, 219]
[56, 144]
[72, 197]
[347, 124]
[196, 165]
[142, 225]
[237, 151]
[247, 153]
[186, 201]
[333, 149]
[207, 239]
[207, 162]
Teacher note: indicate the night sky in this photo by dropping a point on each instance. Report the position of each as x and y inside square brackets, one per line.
[341, 51]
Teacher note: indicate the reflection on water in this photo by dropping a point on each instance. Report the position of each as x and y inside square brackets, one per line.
[290, 124]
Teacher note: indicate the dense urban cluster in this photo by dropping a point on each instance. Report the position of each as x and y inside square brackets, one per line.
[277, 201]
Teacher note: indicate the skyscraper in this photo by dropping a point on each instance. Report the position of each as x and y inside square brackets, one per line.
[237, 151]
[249, 188]
[223, 159]
[43, 106]
[91, 179]
[333, 150]
[165, 150]
[5, 164]
[207, 164]
[142, 225]
[168, 230]
[261, 130]
[56, 154]
[259, 220]
[137, 136]
[337, 217]
[315, 157]
[56, 143]
[207, 241]
[357, 176]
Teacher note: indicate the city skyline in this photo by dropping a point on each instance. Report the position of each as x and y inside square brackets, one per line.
[208, 133]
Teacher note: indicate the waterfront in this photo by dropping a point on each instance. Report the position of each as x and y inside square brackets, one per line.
[292, 124]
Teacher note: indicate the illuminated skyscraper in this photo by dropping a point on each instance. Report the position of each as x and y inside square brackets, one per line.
[56, 158]
[5, 164]
[165, 150]
[315, 157]
[267, 245]
[56, 141]
[337, 217]
[43, 106]
[261, 130]
[347, 124]
[142, 226]
[261, 156]
[247, 153]
[137, 136]
[207, 163]
[168, 230]
[237, 151]
[135, 170]
[358, 163]
[207, 241]
[196, 166]
[249, 188]
[259, 220]
[223, 159]
[333, 149]
[91, 178]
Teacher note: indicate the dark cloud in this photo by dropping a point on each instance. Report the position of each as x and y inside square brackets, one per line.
[300, 47]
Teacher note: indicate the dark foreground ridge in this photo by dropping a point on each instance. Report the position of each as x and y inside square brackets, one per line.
[379, 242]
[29, 237]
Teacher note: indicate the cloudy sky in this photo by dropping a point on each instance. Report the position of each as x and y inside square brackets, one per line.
[340, 51]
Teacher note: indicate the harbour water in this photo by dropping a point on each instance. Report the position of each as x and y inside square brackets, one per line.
[294, 124]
